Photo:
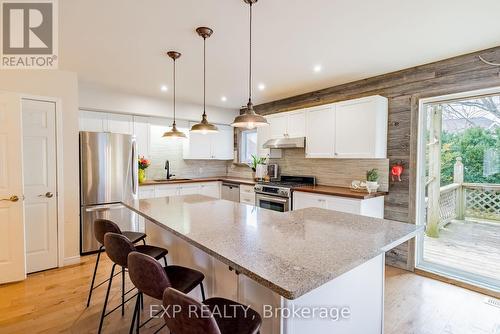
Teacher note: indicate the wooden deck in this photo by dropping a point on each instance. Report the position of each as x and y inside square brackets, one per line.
[472, 246]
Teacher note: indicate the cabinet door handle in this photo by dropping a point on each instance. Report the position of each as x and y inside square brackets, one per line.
[48, 194]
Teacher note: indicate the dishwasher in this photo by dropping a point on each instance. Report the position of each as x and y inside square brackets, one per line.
[230, 191]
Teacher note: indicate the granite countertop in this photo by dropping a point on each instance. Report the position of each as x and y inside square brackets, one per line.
[291, 253]
[240, 180]
[339, 191]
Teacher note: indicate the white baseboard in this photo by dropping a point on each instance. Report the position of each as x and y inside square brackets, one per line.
[71, 260]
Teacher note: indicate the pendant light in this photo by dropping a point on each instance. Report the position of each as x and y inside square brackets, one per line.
[204, 127]
[250, 119]
[174, 133]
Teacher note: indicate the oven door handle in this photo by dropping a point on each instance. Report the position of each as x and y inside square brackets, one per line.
[273, 199]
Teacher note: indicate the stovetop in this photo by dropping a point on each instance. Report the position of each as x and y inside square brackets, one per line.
[283, 184]
[288, 181]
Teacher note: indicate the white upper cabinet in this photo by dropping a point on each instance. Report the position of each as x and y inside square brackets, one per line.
[211, 146]
[296, 124]
[319, 132]
[263, 135]
[123, 124]
[198, 146]
[106, 122]
[142, 135]
[354, 129]
[289, 124]
[93, 121]
[361, 128]
[223, 143]
[278, 125]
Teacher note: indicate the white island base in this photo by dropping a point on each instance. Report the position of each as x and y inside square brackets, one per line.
[358, 293]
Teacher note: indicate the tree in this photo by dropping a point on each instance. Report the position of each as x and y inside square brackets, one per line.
[471, 145]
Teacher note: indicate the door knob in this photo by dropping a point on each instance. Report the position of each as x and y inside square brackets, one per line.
[48, 194]
[12, 198]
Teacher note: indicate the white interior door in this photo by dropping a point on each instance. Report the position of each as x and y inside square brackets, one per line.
[12, 258]
[40, 204]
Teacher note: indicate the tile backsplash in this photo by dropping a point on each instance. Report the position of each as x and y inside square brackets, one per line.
[162, 149]
[330, 172]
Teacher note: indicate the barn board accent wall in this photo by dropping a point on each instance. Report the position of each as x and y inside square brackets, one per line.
[404, 89]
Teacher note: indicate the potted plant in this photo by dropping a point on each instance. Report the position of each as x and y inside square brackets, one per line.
[258, 163]
[371, 180]
[143, 165]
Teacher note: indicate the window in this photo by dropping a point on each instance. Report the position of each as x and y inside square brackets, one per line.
[248, 145]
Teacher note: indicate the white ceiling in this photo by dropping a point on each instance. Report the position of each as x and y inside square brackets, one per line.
[119, 43]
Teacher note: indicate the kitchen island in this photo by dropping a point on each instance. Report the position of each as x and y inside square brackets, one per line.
[326, 264]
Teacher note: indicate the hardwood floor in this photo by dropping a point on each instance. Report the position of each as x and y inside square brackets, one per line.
[54, 302]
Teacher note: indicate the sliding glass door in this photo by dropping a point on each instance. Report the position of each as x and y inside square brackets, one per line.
[458, 187]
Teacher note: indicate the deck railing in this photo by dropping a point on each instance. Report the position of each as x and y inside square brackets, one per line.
[469, 200]
[482, 201]
[461, 200]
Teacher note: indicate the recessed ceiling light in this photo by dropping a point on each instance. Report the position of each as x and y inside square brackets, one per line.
[317, 68]
[223, 98]
[262, 86]
[163, 88]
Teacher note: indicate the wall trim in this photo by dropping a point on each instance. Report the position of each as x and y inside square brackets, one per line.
[71, 260]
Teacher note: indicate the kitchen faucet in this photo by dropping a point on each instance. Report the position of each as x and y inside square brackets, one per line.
[167, 168]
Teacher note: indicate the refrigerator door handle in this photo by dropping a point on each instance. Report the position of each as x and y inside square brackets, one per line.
[104, 207]
[135, 168]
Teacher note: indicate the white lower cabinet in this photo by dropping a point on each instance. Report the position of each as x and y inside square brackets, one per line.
[247, 194]
[146, 192]
[372, 207]
[189, 189]
[211, 189]
[163, 190]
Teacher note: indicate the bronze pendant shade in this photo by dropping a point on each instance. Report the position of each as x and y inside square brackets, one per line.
[250, 119]
[204, 126]
[174, 133]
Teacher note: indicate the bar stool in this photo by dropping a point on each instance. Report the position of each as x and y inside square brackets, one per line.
[209, 318]
[101, 227]
[151, 279]
[117, 248]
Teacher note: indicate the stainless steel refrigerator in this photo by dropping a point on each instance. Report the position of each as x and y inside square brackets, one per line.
[108, 176]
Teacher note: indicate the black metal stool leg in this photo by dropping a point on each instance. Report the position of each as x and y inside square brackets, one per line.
[165, 260]
[202, 292]
[106, 298]
[142, 301]
[138, 324]
[123, 291]
[93, 277]
[134, 316]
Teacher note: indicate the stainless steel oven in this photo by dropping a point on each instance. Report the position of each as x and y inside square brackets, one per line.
[277, 195]
[281, 204]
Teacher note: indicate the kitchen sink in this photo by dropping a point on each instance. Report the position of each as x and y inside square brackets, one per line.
[170, 180]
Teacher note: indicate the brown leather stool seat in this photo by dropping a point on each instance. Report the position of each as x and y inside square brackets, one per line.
[135, 237]
[223, 316]
[151, 279]
[245, 320]
[118, 247]
[101, 227]
[153, 251]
